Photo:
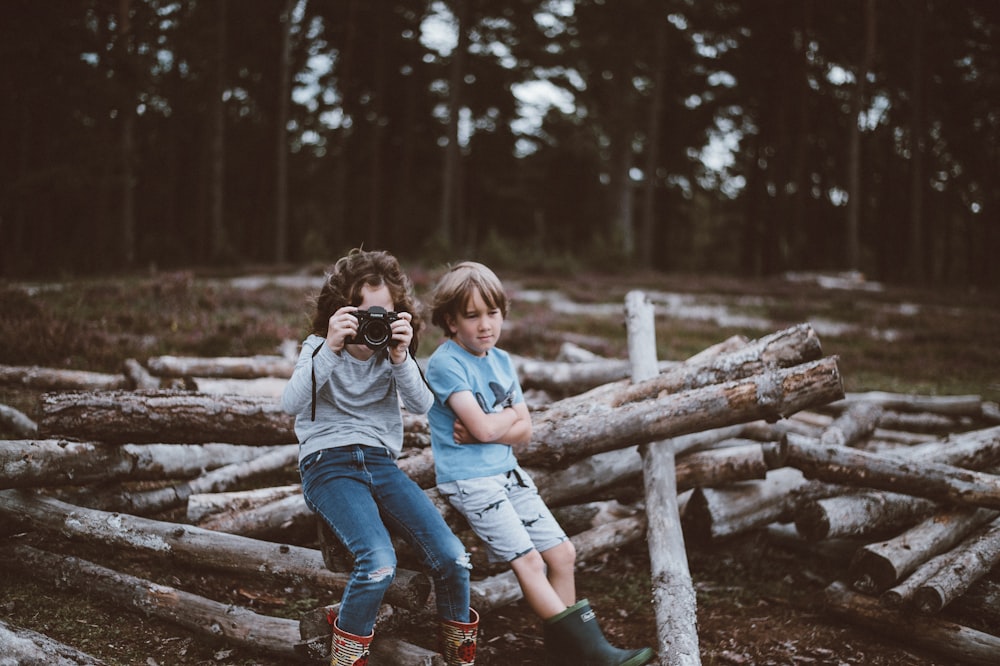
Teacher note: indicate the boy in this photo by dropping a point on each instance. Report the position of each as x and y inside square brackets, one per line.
[478, 417]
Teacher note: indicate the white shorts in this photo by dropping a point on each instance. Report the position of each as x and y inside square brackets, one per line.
[506, 512]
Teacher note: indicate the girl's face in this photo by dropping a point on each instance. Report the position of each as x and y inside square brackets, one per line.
[477, 328]
[379, 296]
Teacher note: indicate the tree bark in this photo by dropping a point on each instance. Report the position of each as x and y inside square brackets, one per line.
[876, 567]
[195, 546]
[934, 481]
[783, 349]
[673, 592]
[221, 367]
[17, 422]
[577, 429]
[967, 563]
[205, 506]
[141, 417]
[951, 641]
[145, 502]
[50, 379]
[33, 463]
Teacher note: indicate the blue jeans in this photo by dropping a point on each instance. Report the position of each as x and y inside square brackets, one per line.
[364, 497]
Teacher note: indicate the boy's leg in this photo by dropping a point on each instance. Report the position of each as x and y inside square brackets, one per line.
[560, 562]
[538, 591]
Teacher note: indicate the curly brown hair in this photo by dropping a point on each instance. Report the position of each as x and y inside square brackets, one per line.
[345, 279]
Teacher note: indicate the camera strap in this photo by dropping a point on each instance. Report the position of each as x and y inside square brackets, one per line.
[315, 351]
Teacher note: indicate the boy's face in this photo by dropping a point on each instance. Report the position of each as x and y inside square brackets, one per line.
[477, 328]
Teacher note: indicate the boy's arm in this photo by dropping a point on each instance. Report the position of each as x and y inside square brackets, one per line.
[512, 425]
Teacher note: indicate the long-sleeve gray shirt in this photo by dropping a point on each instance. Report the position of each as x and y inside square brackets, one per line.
[357, 402]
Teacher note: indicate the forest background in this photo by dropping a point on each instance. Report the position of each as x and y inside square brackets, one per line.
[745, 137]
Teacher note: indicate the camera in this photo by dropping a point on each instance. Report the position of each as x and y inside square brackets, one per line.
[374, 327]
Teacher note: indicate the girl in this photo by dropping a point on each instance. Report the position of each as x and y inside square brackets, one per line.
[345, 393]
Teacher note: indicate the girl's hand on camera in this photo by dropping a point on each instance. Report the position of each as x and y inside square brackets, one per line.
[343, 325]
[402, 335]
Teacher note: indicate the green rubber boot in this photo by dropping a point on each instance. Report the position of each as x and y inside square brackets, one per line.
[573, 638]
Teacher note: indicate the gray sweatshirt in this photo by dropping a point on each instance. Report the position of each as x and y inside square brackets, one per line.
[357, 402]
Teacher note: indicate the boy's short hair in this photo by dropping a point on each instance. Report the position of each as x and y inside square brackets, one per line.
[454, 288]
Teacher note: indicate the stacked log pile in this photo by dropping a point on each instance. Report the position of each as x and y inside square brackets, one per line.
[191, 461]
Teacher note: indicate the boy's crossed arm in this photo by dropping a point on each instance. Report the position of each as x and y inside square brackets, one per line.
[511, 425]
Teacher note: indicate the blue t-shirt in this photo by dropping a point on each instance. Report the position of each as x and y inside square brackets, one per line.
[493, 381]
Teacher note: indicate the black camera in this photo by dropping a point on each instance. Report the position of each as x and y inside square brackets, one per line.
[374, 328]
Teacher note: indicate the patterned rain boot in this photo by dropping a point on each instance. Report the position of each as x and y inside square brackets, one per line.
[347, 649]
[457, 640]
[573, 638]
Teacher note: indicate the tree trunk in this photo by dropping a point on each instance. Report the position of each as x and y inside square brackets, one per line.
[854, 424]
[876, 567]
[195, 546]
[146, 502]
[281, 137]
[564, 433]
[204, 506]
[935, 481]
[952, 641]
[673, 592]
[228, 367]
[120, 417]
[34, 463]
[51, 379]
[782, 349]
[218, 238]
[970, 561]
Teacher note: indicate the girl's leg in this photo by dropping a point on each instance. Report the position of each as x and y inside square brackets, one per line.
[336, 484]
[407, 511]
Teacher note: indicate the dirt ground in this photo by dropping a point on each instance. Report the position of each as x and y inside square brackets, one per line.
[759, 600]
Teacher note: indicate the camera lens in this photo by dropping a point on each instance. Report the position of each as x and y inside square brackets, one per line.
[376, 333]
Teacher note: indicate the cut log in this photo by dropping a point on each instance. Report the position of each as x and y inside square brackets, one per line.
[947, 639]
[855, 423]
[201, 506]
[146, 502]
[266, 387]
[30, 648]
[211, 619]
[949, 405]
[935, 481]
[142, 417]
[782, 349]
[194, 545]
[865, 512]
[239, 367]
[570, 432]
[138, 377]
[723, 466]
[967, 563]
[674, 598]
[53, 379]
[673, 591]
[571, 378]
[286, 519]
[33, 463]
[859, 514]
[717, 513]
[876, 567]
